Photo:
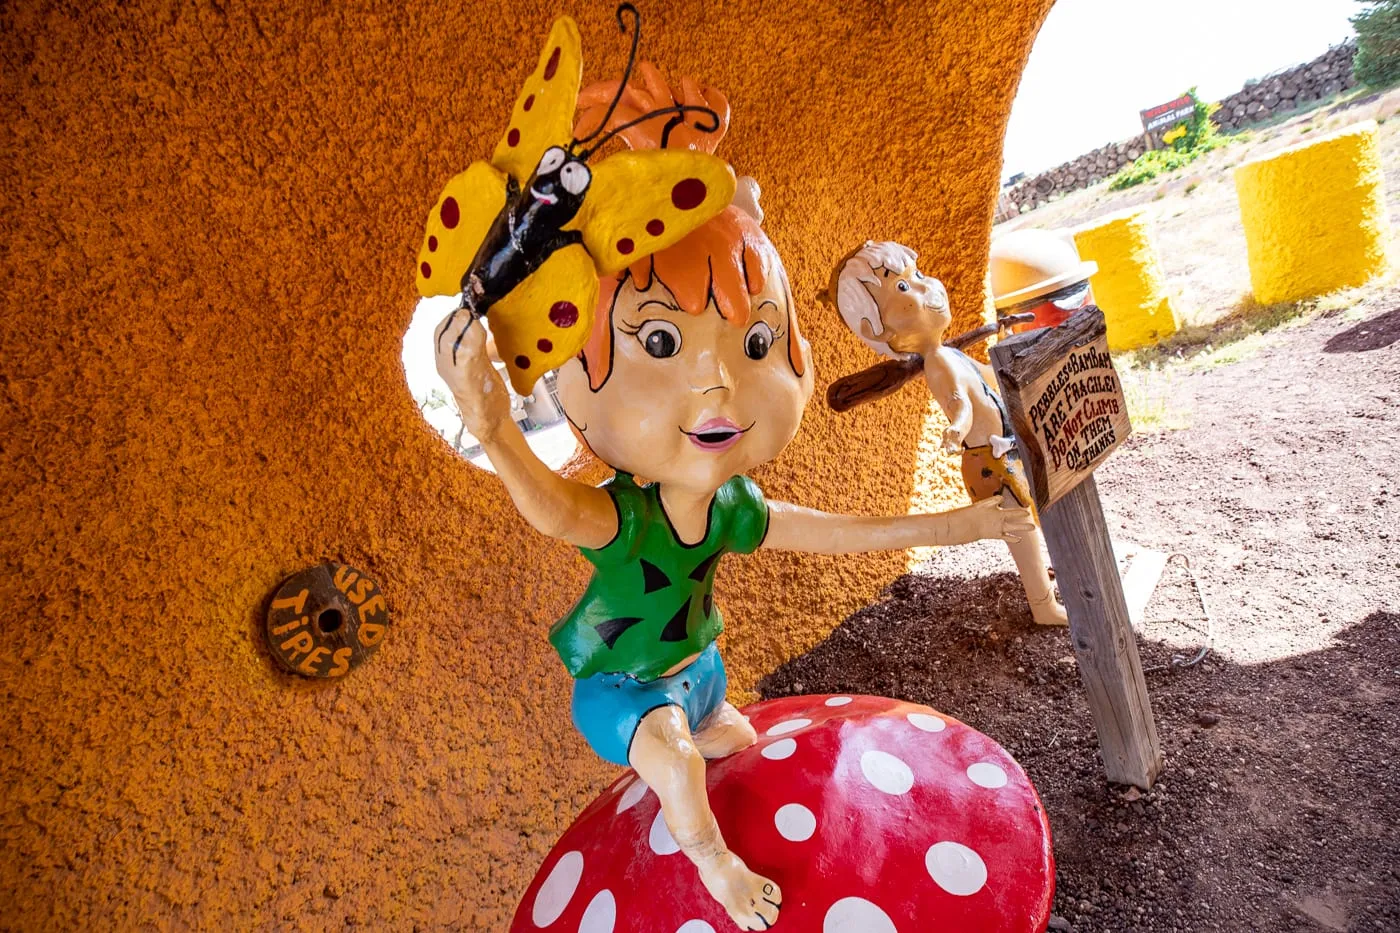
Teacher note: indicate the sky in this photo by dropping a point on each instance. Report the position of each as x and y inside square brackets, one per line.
[1096, 63]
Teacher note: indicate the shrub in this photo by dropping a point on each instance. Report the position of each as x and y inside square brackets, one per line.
[1377, 61]
[1189, 141]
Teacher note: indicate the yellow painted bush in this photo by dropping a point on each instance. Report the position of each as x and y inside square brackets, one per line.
[1129, 286]
[1314, 215]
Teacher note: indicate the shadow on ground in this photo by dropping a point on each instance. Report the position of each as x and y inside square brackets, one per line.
[1278, 807]
[1374, 334]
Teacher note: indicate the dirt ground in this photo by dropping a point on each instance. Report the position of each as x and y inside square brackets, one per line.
[1279, 808]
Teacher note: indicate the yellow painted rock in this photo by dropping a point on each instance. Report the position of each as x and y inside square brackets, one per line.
[1314, 216]
[1129, 286]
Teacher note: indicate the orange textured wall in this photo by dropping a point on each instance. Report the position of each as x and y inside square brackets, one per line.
[210, 216]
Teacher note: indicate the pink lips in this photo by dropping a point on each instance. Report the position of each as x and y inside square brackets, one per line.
[716, 434]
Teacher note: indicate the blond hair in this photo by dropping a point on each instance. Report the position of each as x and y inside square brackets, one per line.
[852, 296]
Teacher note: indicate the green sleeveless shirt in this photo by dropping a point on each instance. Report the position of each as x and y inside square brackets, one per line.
[650, 603]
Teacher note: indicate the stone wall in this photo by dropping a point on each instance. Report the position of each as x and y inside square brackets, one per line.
[1277, 94]
[1288, 90]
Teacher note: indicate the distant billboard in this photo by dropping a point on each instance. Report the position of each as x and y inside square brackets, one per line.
[1168, 114]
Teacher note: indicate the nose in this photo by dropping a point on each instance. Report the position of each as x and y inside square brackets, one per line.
[710, 374]
[935, 293]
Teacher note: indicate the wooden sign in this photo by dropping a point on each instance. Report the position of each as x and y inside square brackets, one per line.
[326, 620]
[1168, 114]
[1065, 401]
[1067, 407]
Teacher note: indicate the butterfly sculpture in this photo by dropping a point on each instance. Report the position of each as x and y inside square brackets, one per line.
[526, 235]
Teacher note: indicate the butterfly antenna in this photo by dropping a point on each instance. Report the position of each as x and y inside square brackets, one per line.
[626, 72]
[678, 109]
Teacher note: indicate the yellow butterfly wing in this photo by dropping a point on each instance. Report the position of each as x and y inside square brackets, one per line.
[546, 319]
[544, 111]
[644, 201]
[456, 226]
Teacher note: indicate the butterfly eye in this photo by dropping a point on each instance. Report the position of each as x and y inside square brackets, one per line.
[903, 285]
[551, 160]
[575, 177]
[660, 339]
[758, 340]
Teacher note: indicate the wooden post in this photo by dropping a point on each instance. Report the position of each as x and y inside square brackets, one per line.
[1066, 405]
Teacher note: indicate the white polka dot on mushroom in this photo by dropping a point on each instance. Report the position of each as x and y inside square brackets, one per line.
[856, 915]
[558, 889]
[695, 926]
[792, 725]
[885, 772]
[926, 722]
[956, 868]
[795, 822]
[660, 838]
[837, 701]
[777, 751]
[601, 914]
[986, 774]
[632, 795]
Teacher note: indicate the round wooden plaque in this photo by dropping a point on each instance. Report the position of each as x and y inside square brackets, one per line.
[326, 620]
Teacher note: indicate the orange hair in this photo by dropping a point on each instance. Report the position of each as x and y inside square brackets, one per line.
[726, 260]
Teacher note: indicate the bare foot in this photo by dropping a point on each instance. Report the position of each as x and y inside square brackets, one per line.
[1049, 611]
[724, 733]
[751, 900]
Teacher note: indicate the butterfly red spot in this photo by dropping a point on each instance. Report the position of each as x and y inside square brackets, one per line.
[427, 270]
[529, 102]
[624, 246]
[688, 194]
[544, 345]
[563, 314]
[553, 64]
[450, 213]
[432, 244]
[656, 227]
[522, 361]
[513, 137]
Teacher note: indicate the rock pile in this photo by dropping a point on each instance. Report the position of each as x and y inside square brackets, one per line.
[1260, 100]
[1288, 90]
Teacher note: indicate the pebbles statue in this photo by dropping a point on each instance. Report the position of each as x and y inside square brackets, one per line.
[900, 312]
[669, 309]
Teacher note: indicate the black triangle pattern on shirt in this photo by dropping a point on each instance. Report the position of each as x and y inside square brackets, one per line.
[676, 629]
[653, 577]
[699, 572]
[611, 630]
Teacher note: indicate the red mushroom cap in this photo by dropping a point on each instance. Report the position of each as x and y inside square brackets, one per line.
[873, 815]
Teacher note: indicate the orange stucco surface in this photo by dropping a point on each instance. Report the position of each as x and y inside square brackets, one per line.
[210, 217]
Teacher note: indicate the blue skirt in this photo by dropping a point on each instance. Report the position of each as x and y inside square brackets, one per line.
[608, 708]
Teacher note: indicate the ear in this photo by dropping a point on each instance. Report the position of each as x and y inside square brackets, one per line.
[575, 394]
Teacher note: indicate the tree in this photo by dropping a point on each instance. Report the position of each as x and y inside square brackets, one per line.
[1377, 61]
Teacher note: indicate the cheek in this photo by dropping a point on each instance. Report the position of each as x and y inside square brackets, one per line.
[778, 398]
[632, 422]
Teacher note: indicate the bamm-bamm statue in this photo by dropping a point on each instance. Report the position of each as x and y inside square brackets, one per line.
[900, 312]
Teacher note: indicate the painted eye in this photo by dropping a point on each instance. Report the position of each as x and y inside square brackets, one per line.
[575, 177]
[551, 160]
[903, 285]
[660, 339]
[758, 341]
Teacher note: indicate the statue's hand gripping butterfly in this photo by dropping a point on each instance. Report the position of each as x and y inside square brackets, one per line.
[526, 235]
